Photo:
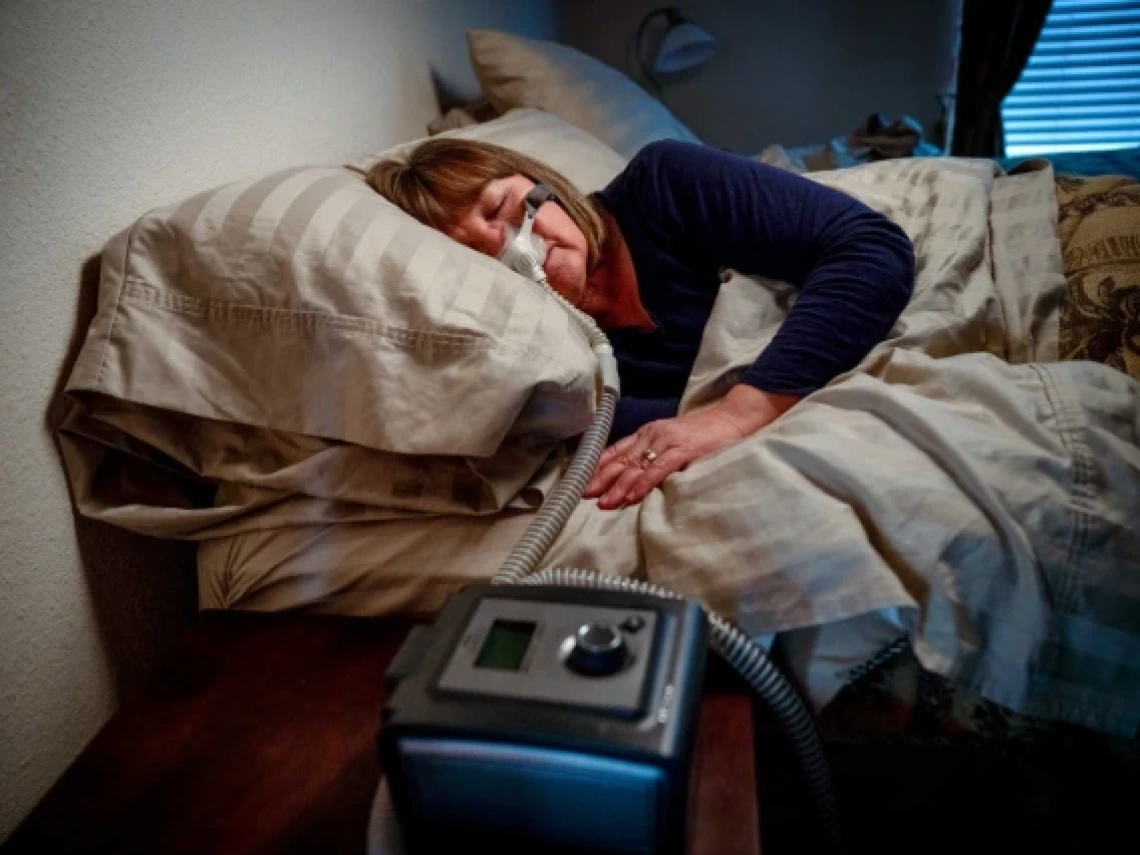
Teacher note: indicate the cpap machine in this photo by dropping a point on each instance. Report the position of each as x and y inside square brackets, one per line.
[555, 710]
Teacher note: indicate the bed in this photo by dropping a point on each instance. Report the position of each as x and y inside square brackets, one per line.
[944, 548]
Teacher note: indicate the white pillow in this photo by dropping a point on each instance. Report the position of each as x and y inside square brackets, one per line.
[520, 72]
[296, 333]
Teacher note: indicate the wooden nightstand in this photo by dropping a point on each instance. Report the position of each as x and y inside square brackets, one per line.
[258, 736]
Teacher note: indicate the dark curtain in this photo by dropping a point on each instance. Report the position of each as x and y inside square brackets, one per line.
[997, 38]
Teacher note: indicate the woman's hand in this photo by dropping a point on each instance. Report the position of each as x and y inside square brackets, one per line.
[626, 473]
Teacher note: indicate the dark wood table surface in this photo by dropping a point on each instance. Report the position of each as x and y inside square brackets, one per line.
[258, 736]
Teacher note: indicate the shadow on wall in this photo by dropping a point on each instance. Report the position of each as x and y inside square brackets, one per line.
[143, 590]
[447, 95]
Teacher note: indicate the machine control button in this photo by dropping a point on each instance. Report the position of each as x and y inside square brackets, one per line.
[598, 650]
[633, 623]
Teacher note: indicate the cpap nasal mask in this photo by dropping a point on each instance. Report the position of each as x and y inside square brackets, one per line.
[524, 251]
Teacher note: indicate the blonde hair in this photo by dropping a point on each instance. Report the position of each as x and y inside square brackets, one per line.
[440, 179]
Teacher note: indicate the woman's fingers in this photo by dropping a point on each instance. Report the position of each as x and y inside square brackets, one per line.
[603, 478]
[637, 464]
[640, 471]
[651, 477]
[636, 483]
[615, 451]
[631, 473]
[624, 465]
[645, 440]
[616, 493]
[612, 463]
[609, 467]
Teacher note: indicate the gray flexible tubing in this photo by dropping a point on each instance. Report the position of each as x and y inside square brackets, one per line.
[743, 654]
[556, 510]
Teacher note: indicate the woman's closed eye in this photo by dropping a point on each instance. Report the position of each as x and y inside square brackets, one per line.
[508, 205]
[493, 202]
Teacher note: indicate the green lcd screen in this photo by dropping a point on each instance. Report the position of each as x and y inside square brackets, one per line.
[505, 645]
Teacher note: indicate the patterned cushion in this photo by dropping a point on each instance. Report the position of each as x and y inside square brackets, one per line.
[1099, 224]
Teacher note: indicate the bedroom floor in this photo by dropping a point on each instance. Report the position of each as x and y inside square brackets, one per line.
[954, 798]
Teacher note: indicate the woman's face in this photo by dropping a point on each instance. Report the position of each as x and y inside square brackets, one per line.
[502, 201]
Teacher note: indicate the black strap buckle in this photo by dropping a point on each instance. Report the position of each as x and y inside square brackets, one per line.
[538, 194]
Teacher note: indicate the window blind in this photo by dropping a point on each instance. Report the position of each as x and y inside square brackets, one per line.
[1080, 90]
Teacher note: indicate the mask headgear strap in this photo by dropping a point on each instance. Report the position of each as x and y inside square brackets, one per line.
[534, 199]
[538, 194]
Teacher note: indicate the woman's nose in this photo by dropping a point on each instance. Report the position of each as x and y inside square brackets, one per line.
[542, 221]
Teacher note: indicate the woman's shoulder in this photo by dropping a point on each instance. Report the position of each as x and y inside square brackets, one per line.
[666, 153]
[668, 148]
[671, 162]
[652, 166]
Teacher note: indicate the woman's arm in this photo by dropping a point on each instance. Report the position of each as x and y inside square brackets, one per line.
[853, 267]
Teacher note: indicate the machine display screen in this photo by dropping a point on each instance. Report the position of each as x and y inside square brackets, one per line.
[505, 645]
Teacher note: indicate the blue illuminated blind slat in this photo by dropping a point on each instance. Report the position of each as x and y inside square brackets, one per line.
[1080, 90]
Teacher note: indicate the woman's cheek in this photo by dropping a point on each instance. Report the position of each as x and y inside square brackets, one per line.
[568, 279]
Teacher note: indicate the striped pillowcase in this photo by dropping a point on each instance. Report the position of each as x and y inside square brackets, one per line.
[586, 161]
[280, 320]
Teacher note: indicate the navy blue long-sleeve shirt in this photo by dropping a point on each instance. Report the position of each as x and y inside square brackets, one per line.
[688, 211]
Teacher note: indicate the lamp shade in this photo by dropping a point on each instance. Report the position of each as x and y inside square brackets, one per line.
[684, 46]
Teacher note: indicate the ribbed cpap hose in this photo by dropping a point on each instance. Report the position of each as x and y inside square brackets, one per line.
[743, 654]
[556, 510]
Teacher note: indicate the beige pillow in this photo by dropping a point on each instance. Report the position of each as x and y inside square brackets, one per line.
[585, 160]
[581, 90]
[336, 557]
[298, 335]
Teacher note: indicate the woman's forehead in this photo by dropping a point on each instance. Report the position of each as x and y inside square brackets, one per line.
[490, 192]
[498, 183]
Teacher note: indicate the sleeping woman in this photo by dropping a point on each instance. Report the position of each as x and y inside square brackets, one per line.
[645, 256]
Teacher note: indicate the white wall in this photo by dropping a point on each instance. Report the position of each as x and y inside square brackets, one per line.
[789, 71]
[109, 108]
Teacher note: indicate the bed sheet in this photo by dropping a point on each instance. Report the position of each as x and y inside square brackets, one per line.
[957, 480]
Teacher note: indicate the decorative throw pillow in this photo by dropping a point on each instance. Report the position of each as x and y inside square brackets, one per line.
[581, 90]
[1099, 226]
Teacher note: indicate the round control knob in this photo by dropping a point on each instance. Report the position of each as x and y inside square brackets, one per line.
[598, 650]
